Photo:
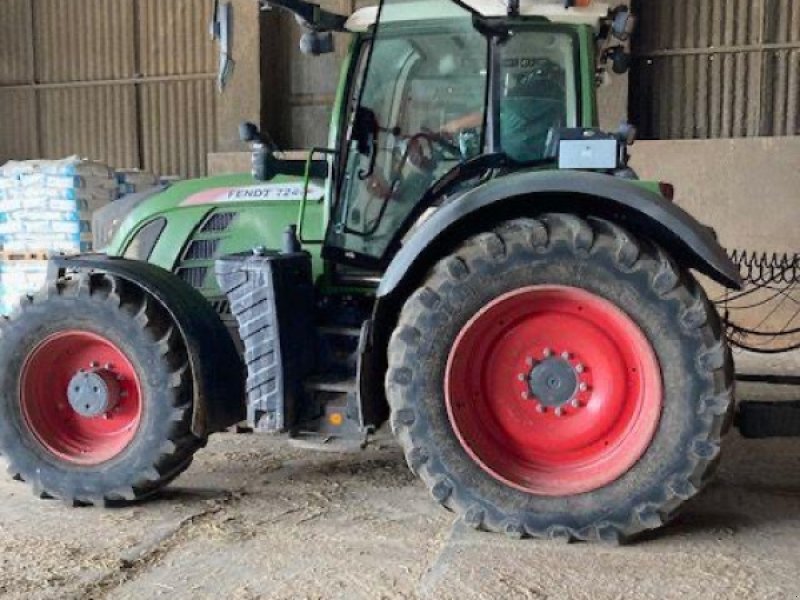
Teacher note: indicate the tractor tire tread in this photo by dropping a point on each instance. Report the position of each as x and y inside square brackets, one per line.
[177, 450]
[522, 240]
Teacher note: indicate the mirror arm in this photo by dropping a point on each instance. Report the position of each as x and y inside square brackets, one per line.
[311, 15]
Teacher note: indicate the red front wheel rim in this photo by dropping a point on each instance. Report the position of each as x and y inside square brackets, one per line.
[80, 397]
[553, 390]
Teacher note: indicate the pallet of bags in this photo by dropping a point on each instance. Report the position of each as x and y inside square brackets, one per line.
[48, 204]
[45, 209]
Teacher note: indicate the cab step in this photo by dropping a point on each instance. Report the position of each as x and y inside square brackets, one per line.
[327, 443]
[332, 330]
[757, 420]
[333, 385]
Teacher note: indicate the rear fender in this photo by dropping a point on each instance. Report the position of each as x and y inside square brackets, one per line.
[643, 212]
[217, 371]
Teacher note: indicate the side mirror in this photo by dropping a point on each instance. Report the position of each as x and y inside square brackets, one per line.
[266, 161]
[315, 43]
[620, 59]
[248, 132]
[622, 23]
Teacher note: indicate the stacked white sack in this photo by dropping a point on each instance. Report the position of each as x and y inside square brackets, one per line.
[47, 205]
[46, 208]
[18, 278]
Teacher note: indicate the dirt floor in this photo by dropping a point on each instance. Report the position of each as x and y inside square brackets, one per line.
[254, 518]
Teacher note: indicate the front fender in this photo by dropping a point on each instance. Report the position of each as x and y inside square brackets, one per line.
[217, 370]
[645, 213]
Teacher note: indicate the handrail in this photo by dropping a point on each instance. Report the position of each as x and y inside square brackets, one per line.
[306, 181]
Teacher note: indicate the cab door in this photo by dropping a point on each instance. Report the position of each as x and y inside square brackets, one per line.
[420, 77]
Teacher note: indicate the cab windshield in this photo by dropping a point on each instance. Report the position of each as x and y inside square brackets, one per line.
[422, 109]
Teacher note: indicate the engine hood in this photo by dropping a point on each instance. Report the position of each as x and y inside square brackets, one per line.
[195, 198]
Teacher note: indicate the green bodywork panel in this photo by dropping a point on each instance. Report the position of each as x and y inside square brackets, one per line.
[588, 61]
[186, 206]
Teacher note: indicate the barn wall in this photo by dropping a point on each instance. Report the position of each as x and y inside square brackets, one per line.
[127, 82]
[716, 69]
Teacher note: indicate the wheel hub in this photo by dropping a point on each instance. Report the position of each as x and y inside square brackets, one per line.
[93, 393]
[80, 397]
[553, 390]
[553, 382]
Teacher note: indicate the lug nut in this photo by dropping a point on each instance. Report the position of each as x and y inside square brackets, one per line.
[94, 364]
[529, 361]
[565, 355]
[521, 376]
[559, 411]
[524, 395]
[109, 366]
[576, 403]
[547, 353]
[540, 408]
[579, 368]
[583, 387]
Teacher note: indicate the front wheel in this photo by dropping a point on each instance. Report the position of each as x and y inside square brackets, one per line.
[95, 393]
[558, 378]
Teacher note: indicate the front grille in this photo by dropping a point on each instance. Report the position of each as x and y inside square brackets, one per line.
[201, 250]
[194, 276]
[218, 222]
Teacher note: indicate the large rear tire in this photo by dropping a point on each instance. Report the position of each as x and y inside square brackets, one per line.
[558, 378]
[95, 393]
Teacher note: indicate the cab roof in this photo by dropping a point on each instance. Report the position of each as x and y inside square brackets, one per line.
[590, 13]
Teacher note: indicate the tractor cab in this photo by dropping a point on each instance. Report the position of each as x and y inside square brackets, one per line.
[446, 99]
[441, 95]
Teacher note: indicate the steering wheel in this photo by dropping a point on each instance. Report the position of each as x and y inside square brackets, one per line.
[424, 150]
[419, 152]
[443, 141]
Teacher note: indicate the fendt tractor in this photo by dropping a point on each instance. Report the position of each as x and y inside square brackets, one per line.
[470, 261]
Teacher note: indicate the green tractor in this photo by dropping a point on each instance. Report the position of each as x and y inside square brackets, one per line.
[470, 261]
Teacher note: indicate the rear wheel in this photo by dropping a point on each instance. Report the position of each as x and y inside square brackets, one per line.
[95, 393]
[557, 378]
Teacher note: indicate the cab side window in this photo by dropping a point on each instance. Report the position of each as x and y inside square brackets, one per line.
[538, 93]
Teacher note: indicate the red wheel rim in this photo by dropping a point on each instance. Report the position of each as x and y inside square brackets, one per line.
[553, 390]
[50, 413]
